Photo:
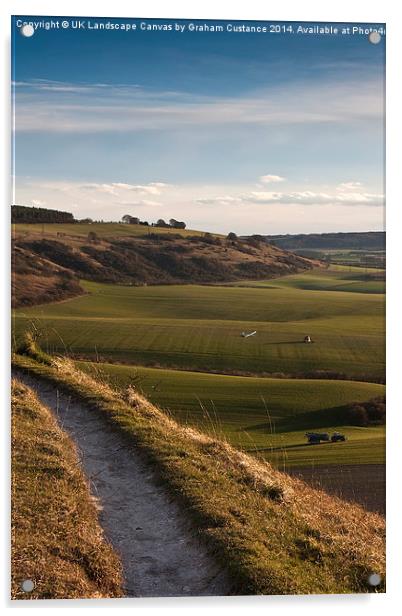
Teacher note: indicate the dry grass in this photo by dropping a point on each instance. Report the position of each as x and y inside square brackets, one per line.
[36, 280]
[275, 534]
[57, 541]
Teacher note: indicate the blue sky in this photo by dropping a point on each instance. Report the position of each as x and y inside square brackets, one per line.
[268, 133]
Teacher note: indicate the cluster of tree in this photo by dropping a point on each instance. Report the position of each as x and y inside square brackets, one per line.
[90, 221]
[367, 413]
[252, 240]
[133, 220]
[172, 224]
[25, 214]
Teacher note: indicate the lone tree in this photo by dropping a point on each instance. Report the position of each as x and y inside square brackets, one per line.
[231, 236]
[161, 223]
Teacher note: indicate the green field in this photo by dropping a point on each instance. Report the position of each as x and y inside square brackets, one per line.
[336, 278]
[103, 230]
[362, 258]
[197, 330]
[263, 415]
[199, 327]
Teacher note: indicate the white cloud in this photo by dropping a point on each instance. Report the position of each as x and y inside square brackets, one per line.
[105, 108]
[149, 189]
[114, 188]
[43, 85]
[140, 203]
[349, 186]
[110, 189]
[305, 197]
[213, 207]
[50, 85]
[308, 197]
[222, 200]
[345, 194]
[268, 179]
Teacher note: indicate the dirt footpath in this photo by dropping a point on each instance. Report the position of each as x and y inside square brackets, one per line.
[160, 552]
[361, 483]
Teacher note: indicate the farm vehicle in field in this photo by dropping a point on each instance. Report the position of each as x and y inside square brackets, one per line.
[315, 438]
[337, 437]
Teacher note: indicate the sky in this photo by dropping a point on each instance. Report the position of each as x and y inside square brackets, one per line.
[251, 133]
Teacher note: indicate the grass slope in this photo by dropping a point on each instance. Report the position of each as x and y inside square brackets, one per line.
[56, 538]
[263, 415]
[335, 278]
[38, 280]
[198, 327]
[121, 255]
[103, 230]
[274, 533]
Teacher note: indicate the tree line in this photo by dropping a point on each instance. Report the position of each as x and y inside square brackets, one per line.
[25, 214]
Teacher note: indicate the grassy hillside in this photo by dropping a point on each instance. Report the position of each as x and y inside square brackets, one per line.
[57, 541]
[103, 230]
[199, 328]
[37, 279]
[262, 415]
[274, 533]
[136, 255]
[335, 278]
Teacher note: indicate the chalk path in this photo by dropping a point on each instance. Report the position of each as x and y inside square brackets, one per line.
[160, 553]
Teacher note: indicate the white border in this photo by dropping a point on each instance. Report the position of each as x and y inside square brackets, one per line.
[295, 10]
[308, 10]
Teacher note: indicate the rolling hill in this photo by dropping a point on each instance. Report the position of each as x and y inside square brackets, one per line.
[266, 416]
[49, 260]
[196, 327]
[370, 240]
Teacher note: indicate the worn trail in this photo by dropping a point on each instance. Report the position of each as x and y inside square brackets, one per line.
[160, 552]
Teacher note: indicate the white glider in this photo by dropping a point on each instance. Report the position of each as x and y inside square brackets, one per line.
[244, 335]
